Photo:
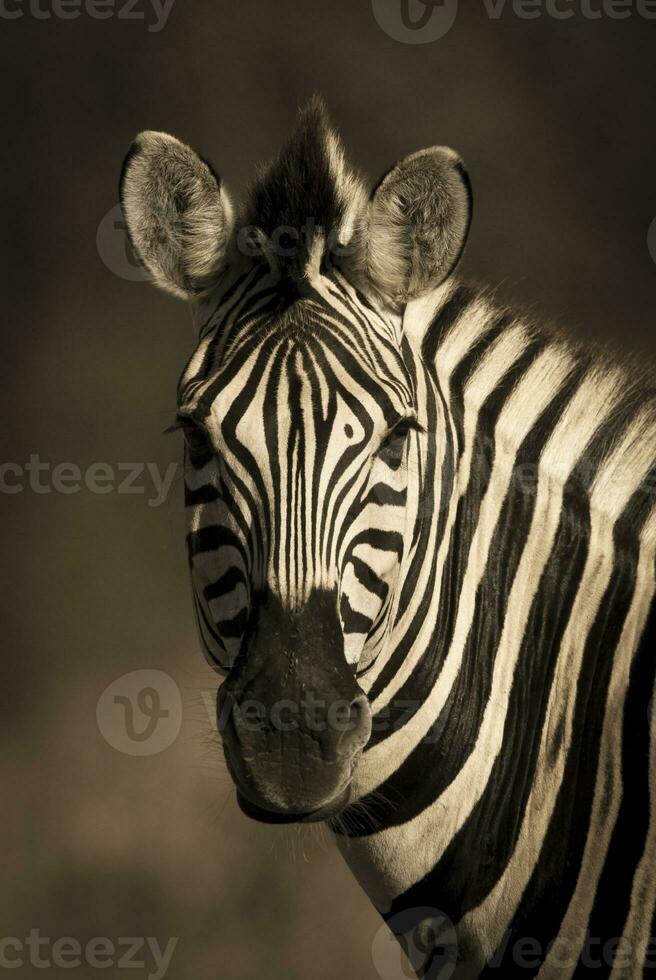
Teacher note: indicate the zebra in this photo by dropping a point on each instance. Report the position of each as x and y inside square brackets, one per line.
[422, 538]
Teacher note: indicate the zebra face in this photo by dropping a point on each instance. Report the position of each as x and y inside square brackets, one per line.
[297, 428]
[300, 425]
[299, 410]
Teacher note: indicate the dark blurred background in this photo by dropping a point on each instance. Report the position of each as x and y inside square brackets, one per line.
[555, 118]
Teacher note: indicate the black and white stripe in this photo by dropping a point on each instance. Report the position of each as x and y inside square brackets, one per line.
[515, 794]
[277, 434]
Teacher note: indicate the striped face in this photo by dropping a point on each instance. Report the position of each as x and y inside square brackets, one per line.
[299, 409]
[299, 420]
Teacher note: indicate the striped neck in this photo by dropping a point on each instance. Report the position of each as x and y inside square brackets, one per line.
[536, 497]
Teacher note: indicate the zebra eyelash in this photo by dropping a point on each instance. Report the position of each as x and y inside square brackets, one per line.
[403, 427]
[196, 438]
[412, 424]
[180, 423]
[391, 442]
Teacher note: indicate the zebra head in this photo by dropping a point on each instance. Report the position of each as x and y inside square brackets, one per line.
[302, 413]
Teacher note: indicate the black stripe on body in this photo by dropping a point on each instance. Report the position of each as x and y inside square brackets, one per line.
[555, 876]
[466, 368]
[445, 319]
[552, 883]
[613, 895]
[456, 562]
[452, 737]
[478, 854]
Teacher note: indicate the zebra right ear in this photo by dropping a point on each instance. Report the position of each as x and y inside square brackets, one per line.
[179, 219]
[419, 221]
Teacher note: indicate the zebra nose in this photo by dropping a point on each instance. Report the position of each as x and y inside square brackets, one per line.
[357, 730]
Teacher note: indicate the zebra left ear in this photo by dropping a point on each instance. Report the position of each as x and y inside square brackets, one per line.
[179, 217]
[419, 220]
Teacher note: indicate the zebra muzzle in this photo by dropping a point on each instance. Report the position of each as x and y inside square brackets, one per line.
[292, 717]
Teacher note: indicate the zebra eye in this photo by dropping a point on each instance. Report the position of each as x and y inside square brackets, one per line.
[393, 447]
[196, 441]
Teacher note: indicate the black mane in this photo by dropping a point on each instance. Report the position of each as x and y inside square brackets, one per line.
[305, 191]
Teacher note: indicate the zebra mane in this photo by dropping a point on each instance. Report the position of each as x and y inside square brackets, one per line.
[460, 316]
[309, 199]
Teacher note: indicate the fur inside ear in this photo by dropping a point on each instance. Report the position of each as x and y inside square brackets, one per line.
[418, 224]
[178, 217]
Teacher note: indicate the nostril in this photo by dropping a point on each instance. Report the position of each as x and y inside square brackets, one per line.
[358, 729]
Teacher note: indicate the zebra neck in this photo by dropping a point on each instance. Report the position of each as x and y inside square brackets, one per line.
[529, 581]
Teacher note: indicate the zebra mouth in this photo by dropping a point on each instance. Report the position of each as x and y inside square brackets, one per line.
[325, 812]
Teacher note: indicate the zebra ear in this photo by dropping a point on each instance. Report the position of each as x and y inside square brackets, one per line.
[419, 220]
[179, 219]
